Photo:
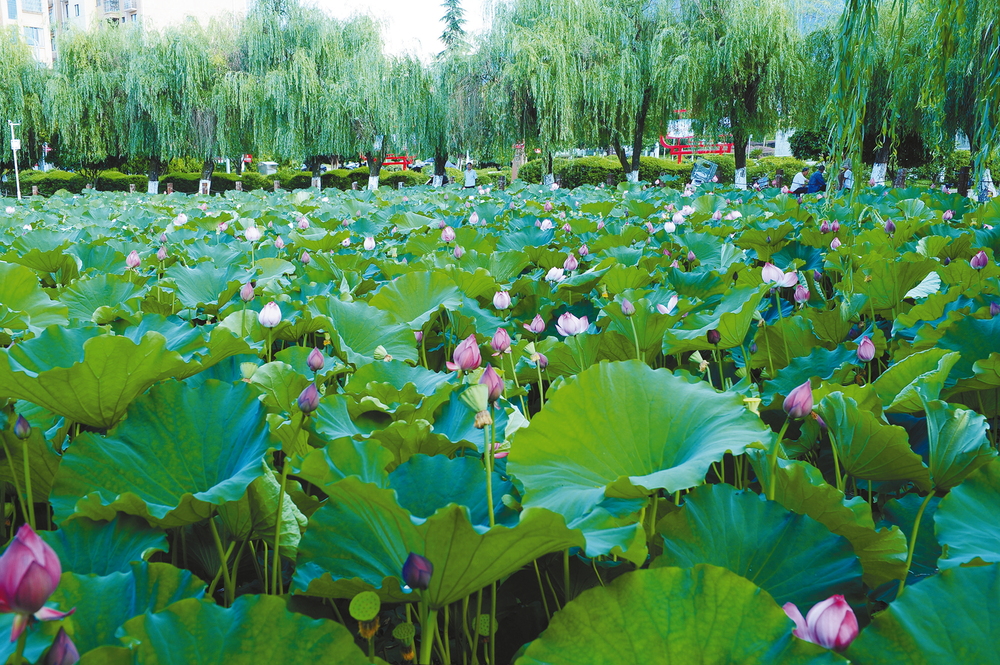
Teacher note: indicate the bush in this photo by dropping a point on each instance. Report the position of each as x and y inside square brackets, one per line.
[808, 145]
[49, 182]
[408, 178]
[336, 178]
[115, 181]
[768, 166]
[182, 182]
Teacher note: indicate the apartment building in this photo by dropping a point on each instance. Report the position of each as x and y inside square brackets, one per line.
[30, 18]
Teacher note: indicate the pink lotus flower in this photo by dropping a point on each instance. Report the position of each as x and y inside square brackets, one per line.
[835, 243]
[501, 300]
[600, 225]
[133, 260]
[492, 380]
[459, 252]
[548, 206]
[583, 251]
[303, 224]
[547, 225]
[866, 349]
[824, 227]
[669, 307]
[771, 274]
[246, 292]
[568, 325]
[203, 207]
[346, 242]
[448, 235]
[466, 355]
[270, 315]
[305, 258]
[418, 335]
[835, 226]
[474, 218]
[799, 402]
[677, 218]
[29, 573]
[979, 261]
[571, 263]
[223, 227]
[369, 243]
[948, 215]
[669, 227]
[252, 234]
[500, 341]
[567, 228]
[161, 253]
[555, 274]
[497, 453]
[785, 190]
[536, 326]
[801, 294]
[717, 215]
[830, 624]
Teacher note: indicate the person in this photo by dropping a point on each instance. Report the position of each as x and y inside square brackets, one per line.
[470, 176]
[817, 183]
[847, 177]
[799, 185]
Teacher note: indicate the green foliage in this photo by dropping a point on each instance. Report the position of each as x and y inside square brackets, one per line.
[807, 144]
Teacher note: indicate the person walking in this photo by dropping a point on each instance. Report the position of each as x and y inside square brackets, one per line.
[817, 183]
[470, 176]
[799, 182]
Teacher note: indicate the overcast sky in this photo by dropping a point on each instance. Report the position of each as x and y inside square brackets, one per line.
[412, 26]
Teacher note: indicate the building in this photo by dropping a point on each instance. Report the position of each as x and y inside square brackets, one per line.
[31, 20]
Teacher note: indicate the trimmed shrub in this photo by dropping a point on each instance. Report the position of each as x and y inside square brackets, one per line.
[408, 178]
[186, 183]
[51, 181]
[253, 180]
[808, 145]
[336, 178]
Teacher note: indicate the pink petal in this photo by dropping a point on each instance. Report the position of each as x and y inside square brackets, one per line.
[35, 588]
[20, 623]
[801, 628]
[50, 614]
[450, 365]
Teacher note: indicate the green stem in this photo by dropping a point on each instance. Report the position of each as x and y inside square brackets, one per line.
[722, 379]
[773, 460]
[427, 637]
[21, 641]
[488, 457]
[541, 391]
[29, 498]
[513, 373]
[243, 320]
[770, 361]
[652, 517]
[493, 619]
[566, 574]
[479, 610]
[277, 526]
[545, 602]
[17, 485]
[269, 331]
[836, 463]
[223, 561]
[635, 336]
[781, 317]
[913, 543]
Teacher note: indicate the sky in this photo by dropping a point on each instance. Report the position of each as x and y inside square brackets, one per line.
[412, 26]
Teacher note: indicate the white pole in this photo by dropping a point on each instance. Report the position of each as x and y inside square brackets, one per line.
[15, 145]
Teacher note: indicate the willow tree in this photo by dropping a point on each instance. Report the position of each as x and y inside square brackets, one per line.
[735, 65]
[454, 22]
[86, 99]
[22, 84]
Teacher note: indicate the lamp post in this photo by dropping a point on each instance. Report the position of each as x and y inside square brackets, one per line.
[15, 145]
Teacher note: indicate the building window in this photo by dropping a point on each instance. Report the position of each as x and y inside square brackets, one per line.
[33, 6]
[33, 36]
[77, 8]
[12, 9]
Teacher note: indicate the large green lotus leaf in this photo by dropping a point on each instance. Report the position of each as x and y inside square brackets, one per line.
[104, 603]
[43, 462]
[44, 252]
[297, 357]
[87, 547]
[699, 283]
[333, 419]
[794, 332]
[361, 537]
[280, 385]
[974, 338]
[897, 386]
[820, 362]
[731, 318]
[461, 480]
[866, 448]
[201, 347]
[958, 442]
[84, 375]
[890, 280]
[966, 519]
[205, 285]
[902, 513]
[457, 422]
[650, 326]
[624, 430]
[256, 515]
[673, 616]
[799, 486]
[414, 297]
[121, 294]
[255, 630]
[182, 452]
[791, 556]
[404, 439]
[947, 619]
[358, 329]
[343, 458]
[24, 304]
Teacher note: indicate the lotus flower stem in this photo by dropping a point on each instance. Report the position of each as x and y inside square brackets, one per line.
[722, 377]
[652, 518]
[266, 578]
[488, 458]
[236, 564]
[243, 321]
[19, 654]
[277, 525]
[773, 460]
[218, 573]
[553, 590]
[17, 485]
[444, 644]
[545, 602]
[541, 390]
[781, 317]
[635, 336]
[513, 373]
[423, 351]
[913, 542]
[427, 637]
[224, 560]
[479, 610]
[269, 344]
[770, 361]
[836, 463]
[594, 564]
[566, 573]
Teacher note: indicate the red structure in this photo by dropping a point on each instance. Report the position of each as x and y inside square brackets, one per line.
[395, 160]
[681, 146]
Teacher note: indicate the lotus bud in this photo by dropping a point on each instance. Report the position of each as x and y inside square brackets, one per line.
[649, 228]
[161, 253]
[547, 225]
[830, 624]
[980, 260]
[222, 228]
[180, 220]
[753, 348]
[381, 354]
[62, 651]
[628, 309]
[459, 252]
[493, 382]
[713, 337]
[568, 325]
[890, 227]
[246, 292]
[22, 429]
[500, 342]
[316, 360]
[270, 315]
[542, 361]
[548, 206]
[474, 218]
[309, 399]
[279, 244]
[866, 349]
[567, 228]
[562, 214]
[570, 263]
[346, 242]
[405, 199]
[536, 326]
[305, 258]
[555, 274]
[132, 261]
[417, 572]
[583, 251]
[947, 260]
[717, 215]
[835, 243]
[948, 214]
[801, 294]
[448, 234]
[466, 355]
[31, 572]
[369, 243]
[10, 210]
[418, 335]
[771, 273]
[799, 402]
[501, 300]
[835, 226]
[994, 308]
[600, 225]
[163, 237]
[824, 227]
[691, 257]
[252, 234]
[303, 223]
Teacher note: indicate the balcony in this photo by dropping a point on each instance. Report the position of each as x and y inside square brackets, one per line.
[112, 6]
[131, 5]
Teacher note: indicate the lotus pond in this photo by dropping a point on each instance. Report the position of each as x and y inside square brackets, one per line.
[532, 425]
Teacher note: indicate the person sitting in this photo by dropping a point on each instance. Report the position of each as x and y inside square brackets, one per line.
[470, 176]
[799, 185]
[817, 183]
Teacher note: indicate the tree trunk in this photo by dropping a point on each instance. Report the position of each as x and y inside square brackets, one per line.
[156, 166]
[616, 145]
[207, 169]
[374, 159]
[440, 160]
[315, 164]
[881, 164]
[640, 130]
[548, 179]
[740, 141]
